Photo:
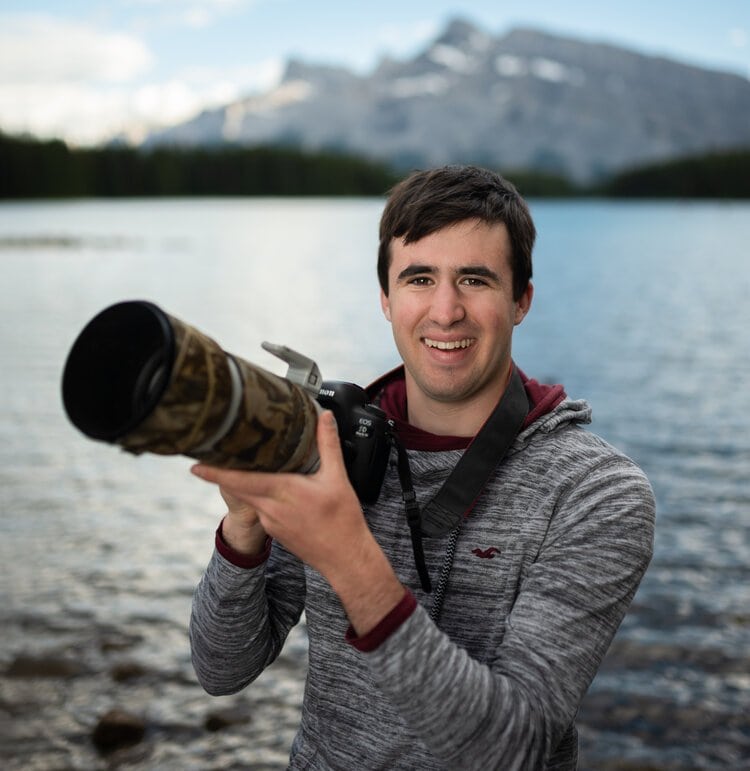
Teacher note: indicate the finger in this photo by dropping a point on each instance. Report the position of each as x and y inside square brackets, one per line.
[243, 483]
[329, 443]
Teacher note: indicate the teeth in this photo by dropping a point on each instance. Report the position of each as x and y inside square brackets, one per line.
[448, 346]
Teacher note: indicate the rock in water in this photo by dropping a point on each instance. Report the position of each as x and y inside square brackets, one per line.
[225, 718]
[116, 729]
[27, 666]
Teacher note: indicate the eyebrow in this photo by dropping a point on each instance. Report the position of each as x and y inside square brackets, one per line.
[468, 270]
[414, 270]
[479, 270]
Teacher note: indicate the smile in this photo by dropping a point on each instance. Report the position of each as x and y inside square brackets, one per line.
[450, 345]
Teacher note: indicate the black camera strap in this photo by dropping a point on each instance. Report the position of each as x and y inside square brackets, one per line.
[467, 480]
[413, 515]
[445, 512]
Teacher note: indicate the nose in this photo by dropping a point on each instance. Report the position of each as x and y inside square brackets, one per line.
[447, 305]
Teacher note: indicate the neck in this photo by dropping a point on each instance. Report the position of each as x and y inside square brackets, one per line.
[461, 418]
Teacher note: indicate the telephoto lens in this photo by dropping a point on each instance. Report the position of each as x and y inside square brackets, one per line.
[146, 381]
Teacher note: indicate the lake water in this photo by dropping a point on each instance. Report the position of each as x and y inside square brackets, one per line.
[642, 308]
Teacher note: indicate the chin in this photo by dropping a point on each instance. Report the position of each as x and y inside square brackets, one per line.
[449, 393]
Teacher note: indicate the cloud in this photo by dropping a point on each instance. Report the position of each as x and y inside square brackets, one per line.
[88, 113]
[737, 37]
[202, 13]
[73, 111]
[66, 79]
[196, 14]
[84, 84]
[37, 49]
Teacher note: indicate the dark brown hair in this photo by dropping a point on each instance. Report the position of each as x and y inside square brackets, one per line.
[427, 201]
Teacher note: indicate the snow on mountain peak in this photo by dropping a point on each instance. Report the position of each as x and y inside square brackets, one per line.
[430, 83]
[453, 58]
[510, 66]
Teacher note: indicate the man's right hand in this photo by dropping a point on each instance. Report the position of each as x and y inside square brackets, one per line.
[318, 518]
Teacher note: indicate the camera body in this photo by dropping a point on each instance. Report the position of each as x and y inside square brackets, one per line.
[364, 430]
[365, 434]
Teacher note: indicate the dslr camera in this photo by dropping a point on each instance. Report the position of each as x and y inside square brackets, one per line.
[146, 381]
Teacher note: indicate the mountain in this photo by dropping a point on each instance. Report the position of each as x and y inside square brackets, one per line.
[527, 99]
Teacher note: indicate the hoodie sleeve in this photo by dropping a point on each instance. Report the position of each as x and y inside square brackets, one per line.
[571, 598]
[241, 617]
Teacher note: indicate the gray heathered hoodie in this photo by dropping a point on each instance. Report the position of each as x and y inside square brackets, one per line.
[545, 568]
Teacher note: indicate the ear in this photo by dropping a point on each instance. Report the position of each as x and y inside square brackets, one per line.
[523, 304]
[385, 305]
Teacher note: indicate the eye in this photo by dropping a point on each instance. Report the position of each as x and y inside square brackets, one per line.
[420, 281]
[473, 281]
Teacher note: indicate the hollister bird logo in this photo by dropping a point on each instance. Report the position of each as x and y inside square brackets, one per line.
[486, 554]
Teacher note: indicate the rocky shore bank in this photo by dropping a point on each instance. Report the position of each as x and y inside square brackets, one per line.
[90, 699]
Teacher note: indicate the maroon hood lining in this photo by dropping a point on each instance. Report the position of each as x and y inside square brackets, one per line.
[389, 393]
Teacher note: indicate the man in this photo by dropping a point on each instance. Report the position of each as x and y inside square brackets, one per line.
[530, 582]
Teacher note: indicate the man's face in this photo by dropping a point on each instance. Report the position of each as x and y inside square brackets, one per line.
[450, 303]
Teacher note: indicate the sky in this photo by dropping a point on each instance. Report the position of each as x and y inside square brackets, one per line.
[85, 71]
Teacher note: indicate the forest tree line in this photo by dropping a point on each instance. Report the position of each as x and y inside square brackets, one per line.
[32, 168]
[50, 169]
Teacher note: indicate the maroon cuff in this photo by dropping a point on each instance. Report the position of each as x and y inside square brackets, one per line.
[237, 559]
[384, 628]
